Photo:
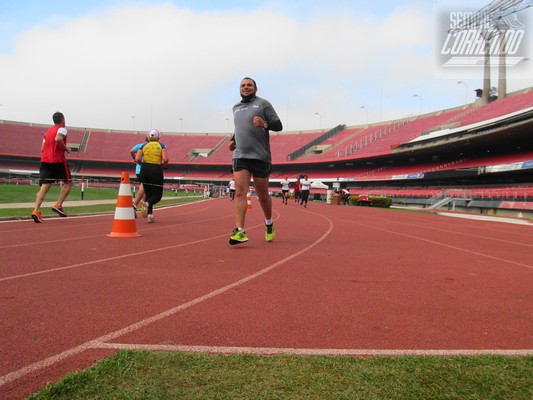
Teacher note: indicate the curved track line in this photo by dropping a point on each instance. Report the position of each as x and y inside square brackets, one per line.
[7, 278]
[314, 352]
[109, 258]
[451, 231]
[101, 234]
[447, 245]
[96, 343]
[100, 223]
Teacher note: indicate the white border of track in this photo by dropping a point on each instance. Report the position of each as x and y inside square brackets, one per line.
[487, 218]
[313, 352]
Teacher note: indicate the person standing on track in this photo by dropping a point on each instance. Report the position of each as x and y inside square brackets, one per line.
[285, 190]
[152, 157]
[306, 186]
[253, 118]
[345, 196]
[296, 185]
[231, 186]
[53, 167]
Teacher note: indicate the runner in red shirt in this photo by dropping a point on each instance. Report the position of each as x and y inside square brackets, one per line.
[297, 190]
[53, 167]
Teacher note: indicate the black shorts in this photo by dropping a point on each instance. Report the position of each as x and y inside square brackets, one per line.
[258, 168]
[53, 172]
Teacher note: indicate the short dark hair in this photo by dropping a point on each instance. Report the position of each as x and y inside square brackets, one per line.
[247, 77]
[58, 117]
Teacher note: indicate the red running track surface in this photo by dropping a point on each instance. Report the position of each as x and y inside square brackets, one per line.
[337, 280]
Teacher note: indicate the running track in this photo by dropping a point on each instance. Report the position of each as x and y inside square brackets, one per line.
[337, 280]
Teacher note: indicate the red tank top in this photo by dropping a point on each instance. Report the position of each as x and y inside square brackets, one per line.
[52, 153]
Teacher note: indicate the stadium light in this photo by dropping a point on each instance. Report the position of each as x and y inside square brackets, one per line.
[466, 90]
[419, 103]
[492, 13]
[181, 124]
[366, 109]
[319, 121]
[133, 118]
[491, 21]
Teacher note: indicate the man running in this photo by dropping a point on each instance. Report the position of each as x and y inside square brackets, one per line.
[253, 118]
[53, 167]
[285, 189]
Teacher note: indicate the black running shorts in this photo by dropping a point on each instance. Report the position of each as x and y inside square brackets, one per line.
[53, 172]
[258, 168]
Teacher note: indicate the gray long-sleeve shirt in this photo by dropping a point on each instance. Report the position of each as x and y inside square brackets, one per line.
[253, 142]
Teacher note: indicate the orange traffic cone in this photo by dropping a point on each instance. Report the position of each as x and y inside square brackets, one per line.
[249, 200]
[124, 222]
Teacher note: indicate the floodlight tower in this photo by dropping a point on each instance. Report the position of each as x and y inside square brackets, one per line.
[491, 21]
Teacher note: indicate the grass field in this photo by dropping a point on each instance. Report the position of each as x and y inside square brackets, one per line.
[10, 194]
[158, 375]
[26, 193]
[149, 376]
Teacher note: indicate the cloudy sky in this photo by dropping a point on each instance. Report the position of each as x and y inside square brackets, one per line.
[176, 65]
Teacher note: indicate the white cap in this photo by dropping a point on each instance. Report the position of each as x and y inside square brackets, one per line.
[154, 133]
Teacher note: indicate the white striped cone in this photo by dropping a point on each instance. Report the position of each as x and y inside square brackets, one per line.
[249, 200]
[124, 222]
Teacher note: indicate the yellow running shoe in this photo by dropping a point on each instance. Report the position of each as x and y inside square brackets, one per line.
[144, 210]
[270, 233]
[238, 237]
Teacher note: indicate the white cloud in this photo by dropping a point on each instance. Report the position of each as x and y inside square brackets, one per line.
[162, 63]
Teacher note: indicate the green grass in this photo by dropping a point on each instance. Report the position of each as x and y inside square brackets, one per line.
[26, 193]
[145, 375]
[10, 194]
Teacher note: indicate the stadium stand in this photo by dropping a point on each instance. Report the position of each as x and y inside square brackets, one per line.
[102, 171]
[510, 192]
[376, 158]
[13, 134]
[110, 145]
[404, 133]
[514, 102]
[191, 147]
[30, 136]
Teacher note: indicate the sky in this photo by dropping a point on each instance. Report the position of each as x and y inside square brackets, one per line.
[176, 65]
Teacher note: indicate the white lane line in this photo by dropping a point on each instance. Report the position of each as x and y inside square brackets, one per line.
[95, 343]
[71, 238]
[313, 352]
[457, 232]
[101, 260]
[441, 244]
[7, 278]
